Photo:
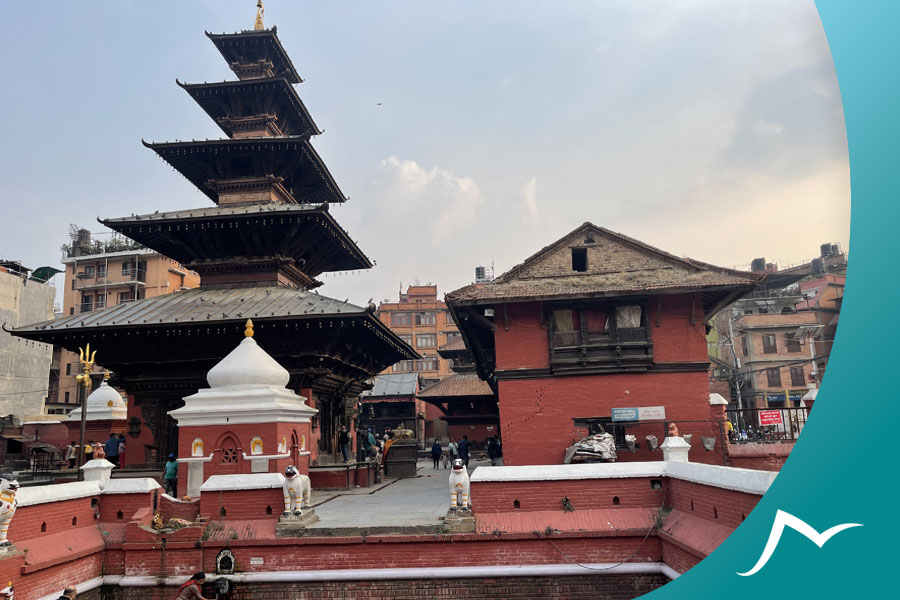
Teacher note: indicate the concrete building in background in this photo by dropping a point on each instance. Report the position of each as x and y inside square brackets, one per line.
[423, 322]
[23, 363]
[100, 274]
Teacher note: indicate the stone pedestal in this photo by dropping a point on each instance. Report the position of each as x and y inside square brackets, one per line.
[99, 470]
[675, 449]
[460, 520]
[293, 526]
[401, 459]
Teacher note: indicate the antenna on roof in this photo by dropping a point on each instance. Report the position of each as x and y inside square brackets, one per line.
[260, 12]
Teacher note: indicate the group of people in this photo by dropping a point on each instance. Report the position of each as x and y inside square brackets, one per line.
[461, 450]
[114, 448]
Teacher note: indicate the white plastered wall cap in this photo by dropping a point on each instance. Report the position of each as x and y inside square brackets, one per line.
[717, 399]
[245, 366]
[103, 403]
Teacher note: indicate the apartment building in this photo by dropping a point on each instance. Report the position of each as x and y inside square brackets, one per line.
[99, 274]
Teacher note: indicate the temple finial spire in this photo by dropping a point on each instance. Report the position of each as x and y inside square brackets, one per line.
[248, 329]
[260, 12]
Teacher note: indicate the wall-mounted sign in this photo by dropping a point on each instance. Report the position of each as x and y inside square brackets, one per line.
[639, 413]
[770, 417]
[256, 561]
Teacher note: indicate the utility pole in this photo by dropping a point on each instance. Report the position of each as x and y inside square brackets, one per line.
[737, 364]
[86, 358]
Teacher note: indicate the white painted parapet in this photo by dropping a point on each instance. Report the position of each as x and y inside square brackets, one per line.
[675, 449]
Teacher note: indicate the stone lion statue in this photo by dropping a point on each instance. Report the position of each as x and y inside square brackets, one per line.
[8, 504]
[297, 490]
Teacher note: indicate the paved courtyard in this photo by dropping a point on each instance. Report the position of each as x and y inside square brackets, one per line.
[413, 502]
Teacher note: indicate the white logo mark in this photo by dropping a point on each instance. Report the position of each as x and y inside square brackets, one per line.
[782, 520]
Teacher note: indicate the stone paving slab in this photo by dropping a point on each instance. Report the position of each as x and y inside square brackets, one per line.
[416, 502]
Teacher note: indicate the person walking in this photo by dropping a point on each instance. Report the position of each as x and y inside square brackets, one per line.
[436, 452]
[70, 454]
[453, 450]
[171, 476]
[190, 589]
[464, 450]
[111, 447]
[121, 449]
[344, 441]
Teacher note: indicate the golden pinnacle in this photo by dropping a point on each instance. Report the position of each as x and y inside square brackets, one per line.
[248, 332]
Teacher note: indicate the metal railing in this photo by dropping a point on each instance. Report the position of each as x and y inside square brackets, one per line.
[766, 425]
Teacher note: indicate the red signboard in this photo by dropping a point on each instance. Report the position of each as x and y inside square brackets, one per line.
[770, 417]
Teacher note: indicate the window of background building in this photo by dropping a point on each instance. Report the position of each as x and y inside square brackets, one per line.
[769, 346]
[428, 340]
[401, 318]
[67, 397]
[87, 303]
[406, 337]
[744, 345]
[101, 271]
[798, 378]
[89, 271]
[453, 335]
[791, 342]
[126, 268]
[101, 300]
[773, 376]
[427, 364]
[426, 318]
[68, 368]
[448, 317]
[126, 297]
[404, 366]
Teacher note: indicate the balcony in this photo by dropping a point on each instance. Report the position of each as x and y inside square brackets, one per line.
[622, 349]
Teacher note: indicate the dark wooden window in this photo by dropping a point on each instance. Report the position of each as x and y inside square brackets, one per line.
[791, 342]
[773, 376]
[769, 346]
[798, 378]
[603, 337]
[68, 368]
[745, 345]
[426, 318]
[579, 259]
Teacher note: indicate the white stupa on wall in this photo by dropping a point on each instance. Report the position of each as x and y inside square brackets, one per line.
[104, 403]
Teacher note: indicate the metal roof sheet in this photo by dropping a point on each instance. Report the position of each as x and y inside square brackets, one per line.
[394, 384]
[199, 305]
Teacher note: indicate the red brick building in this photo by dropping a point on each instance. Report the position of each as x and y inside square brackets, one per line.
[597, 321]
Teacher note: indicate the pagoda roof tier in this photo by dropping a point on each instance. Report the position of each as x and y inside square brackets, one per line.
[306, 233]
[180, 336]
[291, 161]
[244, 49]
[232, 103]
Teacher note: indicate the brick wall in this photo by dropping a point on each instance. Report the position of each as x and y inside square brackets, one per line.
[53, 517]
[242, 504]
[536, 415]
[763, 457]
[114, 505]
[725, 507]
[496, 496]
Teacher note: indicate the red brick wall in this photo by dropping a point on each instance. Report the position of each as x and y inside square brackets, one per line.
[725, 507]
[536, 414]
[180, 509]
[676, 340]
[762, 457]
[525, 345]
[242, 504]
[53, 579]
[582, 493]
[56, 515]
[127, 504]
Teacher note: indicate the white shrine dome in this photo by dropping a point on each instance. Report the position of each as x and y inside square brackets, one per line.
[103, 403]
[248, 365]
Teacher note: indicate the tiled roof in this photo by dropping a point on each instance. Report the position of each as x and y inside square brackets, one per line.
[458, 384]
[453, 345]
[394, 384]
[200, 305]
[700, 534]
[617, 265]
[207, 212]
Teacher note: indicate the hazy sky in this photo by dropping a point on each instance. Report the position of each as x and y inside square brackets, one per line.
[463, 132]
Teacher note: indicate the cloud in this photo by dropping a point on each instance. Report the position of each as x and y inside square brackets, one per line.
[443, 201]
[530, 214]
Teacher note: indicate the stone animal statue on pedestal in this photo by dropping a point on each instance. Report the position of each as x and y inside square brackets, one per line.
[459, 486]
[296, 492]
[8, 504]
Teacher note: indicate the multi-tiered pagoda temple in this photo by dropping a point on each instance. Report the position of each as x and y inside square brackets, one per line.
[259, 252]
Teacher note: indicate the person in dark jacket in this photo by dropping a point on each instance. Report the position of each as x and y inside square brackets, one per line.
[436, 452]
[464, 450]
[344, 441]
[111, 447]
